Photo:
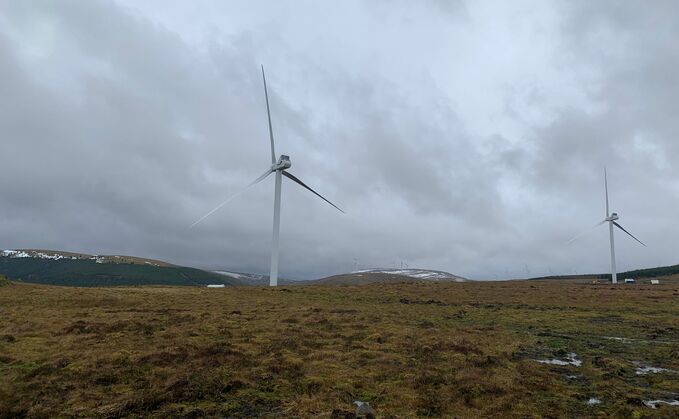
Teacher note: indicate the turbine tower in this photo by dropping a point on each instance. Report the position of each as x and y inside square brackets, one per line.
[611, 219]
[279, 167]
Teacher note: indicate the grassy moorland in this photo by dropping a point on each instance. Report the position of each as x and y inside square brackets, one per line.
[423, 349]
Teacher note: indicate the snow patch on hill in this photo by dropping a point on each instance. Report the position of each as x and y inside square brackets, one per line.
[254, 279]
[35, 254]
[242, 276]
[53, 255]
[422, 274]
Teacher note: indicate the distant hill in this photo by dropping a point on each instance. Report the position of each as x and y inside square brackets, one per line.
[83, 270]
[651, 272]
[421, 274]
[371, 276]
[661, 271]
[59, 255]
[254, 279]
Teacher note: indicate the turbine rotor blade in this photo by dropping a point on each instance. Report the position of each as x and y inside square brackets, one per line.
[254, 182]
[261, 178]
[606, 185]
[589, 230]
[302, 184]
[630, 234]
[268, 114]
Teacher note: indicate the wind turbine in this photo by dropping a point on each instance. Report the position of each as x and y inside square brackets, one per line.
[279, 167]
[611, 219]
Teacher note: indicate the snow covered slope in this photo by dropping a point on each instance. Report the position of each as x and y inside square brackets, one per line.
[59, 255]
[422, 274]
[385, 276]
[244, 277]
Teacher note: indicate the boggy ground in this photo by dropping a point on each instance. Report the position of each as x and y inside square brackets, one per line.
[449, 349]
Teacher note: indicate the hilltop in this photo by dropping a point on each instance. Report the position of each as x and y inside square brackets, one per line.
[60, 255]
[371, 276]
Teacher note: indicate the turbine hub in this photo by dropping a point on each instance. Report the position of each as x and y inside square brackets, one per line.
[613, 217]
[282, 163]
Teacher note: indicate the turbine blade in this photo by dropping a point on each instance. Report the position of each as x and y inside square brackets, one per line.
[606, 185]
[589, 230]
[630, 234]
[294, 179]
[259, 179]
[268, 114]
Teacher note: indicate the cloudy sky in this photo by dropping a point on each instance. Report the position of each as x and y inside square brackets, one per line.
[469, 137]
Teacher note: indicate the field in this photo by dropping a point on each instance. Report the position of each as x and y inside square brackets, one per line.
[416, 349]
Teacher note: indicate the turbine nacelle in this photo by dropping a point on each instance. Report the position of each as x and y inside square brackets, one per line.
[612, 217]
[282, 163]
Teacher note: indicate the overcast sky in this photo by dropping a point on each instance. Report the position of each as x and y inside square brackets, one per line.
[469, 137]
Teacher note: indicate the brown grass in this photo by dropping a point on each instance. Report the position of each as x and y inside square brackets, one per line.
[449, 349]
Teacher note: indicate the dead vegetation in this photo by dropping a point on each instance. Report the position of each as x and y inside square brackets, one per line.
[448, 349]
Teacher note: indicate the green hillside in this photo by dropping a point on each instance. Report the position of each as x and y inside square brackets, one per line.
[89, 273]
[651, 272]
[636, 274]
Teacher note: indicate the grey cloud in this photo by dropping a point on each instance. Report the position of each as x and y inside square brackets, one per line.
[122, 129]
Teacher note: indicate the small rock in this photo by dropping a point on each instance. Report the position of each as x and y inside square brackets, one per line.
[363, 409]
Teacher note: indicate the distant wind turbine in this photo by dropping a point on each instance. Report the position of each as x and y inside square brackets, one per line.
[279, 167]
[611, 219]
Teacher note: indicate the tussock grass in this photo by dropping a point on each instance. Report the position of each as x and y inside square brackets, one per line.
[416, 349]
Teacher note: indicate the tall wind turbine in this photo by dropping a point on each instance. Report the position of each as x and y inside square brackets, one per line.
[279, 167]
[611, 219]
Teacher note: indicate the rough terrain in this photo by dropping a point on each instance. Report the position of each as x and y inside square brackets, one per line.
[472, 349]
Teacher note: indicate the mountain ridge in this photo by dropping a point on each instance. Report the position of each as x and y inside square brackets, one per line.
[55, 267]
[52, 267]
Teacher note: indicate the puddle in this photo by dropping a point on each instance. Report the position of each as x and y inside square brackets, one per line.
[653, 404]
[653, 370]
[644, 341]
[571, 359]
[593, 401]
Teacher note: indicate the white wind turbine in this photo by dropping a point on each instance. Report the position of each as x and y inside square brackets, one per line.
[279, 167]
[611, 219]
